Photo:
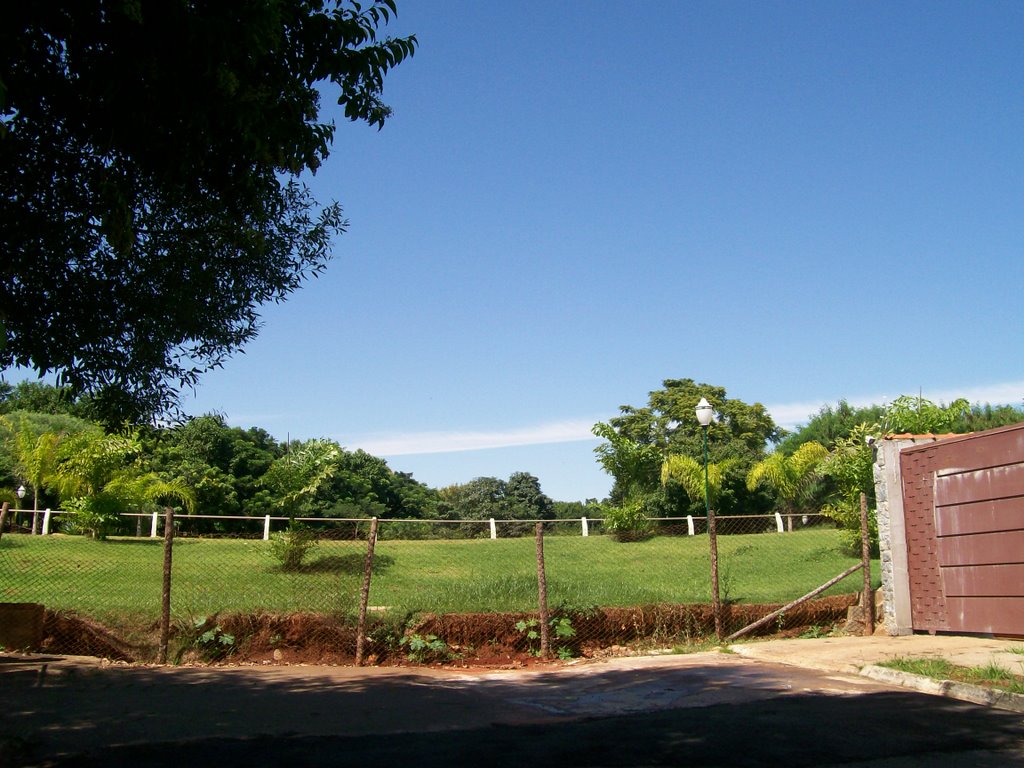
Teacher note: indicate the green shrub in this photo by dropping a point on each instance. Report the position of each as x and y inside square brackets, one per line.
[425, 649]
[563, 630]
[95, 516]
[290, 547]
[630, 522]
[207, 639]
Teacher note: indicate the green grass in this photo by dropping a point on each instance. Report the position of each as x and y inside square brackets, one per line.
[122, 577]
[990, 675]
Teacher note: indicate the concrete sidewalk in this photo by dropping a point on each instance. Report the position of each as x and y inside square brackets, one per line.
[861, 655]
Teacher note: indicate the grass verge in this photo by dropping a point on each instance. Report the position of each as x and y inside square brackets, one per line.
[989, 676]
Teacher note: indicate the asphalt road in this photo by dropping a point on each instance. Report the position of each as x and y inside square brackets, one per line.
[699, 710]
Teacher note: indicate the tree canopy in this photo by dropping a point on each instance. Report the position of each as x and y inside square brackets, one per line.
[518, 498]
[639, 439]
[907, 413]
[150, 192]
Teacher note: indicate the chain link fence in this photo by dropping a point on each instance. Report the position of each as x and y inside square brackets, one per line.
[266, 590]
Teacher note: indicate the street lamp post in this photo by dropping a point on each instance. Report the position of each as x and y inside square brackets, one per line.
[21, 496]
[705, 416]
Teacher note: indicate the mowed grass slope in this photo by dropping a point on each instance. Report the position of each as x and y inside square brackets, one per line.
[122, 578]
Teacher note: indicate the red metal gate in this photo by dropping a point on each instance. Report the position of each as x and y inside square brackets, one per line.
[963, 501]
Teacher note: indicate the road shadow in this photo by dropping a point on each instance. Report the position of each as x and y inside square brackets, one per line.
[803, 730]
[728, 713]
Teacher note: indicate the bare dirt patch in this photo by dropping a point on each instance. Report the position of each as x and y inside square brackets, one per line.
[473, 639]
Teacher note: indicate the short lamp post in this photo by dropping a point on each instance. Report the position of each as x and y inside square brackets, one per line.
[21, 495]
[705, 416]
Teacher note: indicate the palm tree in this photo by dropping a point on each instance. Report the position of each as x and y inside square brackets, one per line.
[90, 460]
[150, 488]
[296, 477]
[790, 475]
[94, 475]
[35, 456]
[689, 473]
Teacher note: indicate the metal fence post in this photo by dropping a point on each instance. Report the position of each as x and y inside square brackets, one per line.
[778, 523]
[586, 528]
[152, 527]
[46, 522]
[266, 528]
[690, 531]
[494, 529]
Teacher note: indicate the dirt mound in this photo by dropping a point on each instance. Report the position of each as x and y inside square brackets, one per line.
[294, 638]
[484, 639]
[70, 634]
[607, 627]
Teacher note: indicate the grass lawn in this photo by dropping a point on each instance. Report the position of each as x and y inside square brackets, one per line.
[988, 676]
[121, 578]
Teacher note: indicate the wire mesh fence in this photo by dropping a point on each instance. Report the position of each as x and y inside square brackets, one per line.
[264, 590]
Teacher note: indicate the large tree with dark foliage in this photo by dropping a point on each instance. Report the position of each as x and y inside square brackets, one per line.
[150, 164]
[639, 439]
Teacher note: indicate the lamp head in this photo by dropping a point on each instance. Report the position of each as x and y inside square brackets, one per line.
[705, 415]
[21, 491]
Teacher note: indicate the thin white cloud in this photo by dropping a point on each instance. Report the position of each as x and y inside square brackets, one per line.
[451, 442]
[787, 415]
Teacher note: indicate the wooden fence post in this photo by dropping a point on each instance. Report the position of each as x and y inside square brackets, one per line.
[3, 517]
[165, 605]
[868, 601]
[364, 593]
[542, 595]
[716, 600]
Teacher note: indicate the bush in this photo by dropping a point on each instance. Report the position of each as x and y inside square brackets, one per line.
[630, 521]
[94, 516]
[291, 546]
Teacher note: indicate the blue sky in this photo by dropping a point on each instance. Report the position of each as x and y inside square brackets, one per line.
[798, 201]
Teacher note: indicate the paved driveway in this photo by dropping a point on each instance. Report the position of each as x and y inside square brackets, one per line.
[703, 709]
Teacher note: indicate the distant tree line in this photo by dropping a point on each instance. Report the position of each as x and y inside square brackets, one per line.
[46, 436]
[51, 443]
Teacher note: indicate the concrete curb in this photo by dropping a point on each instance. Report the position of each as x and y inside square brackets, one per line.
[976, 694]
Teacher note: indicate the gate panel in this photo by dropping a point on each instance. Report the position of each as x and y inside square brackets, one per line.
[1005, 580]
[979, 517]
[964, 510]
[994, 615]
[981, 549]
[954, 486]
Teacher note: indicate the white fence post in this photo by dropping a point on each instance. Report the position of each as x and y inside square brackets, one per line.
[494, 529]
[778, 523]
[152, 528]
[266, 528]
[689, 525]
[586, 528]
[46, 522]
